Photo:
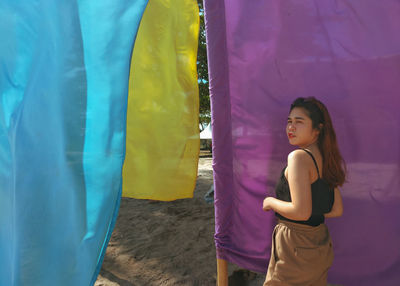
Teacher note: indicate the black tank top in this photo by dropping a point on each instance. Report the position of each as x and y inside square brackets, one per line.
[322, 197]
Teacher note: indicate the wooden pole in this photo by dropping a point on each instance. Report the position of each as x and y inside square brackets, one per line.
[222, 272]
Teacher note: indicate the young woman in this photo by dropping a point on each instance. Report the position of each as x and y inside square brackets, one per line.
[306, 193]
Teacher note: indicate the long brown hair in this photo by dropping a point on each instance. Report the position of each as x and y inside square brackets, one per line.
[334, 167]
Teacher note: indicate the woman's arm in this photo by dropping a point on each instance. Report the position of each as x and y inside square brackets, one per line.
[337, 208]
[300, 189]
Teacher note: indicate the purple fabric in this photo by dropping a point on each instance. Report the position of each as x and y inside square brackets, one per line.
[264, 54]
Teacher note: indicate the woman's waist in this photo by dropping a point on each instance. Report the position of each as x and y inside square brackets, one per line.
[312, 223]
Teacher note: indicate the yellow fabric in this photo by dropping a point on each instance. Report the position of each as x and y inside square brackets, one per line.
[162, 144]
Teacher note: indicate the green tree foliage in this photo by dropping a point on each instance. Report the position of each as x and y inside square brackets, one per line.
[202, 70]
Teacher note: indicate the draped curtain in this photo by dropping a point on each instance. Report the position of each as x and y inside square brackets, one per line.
[64, 71]
[264, 54]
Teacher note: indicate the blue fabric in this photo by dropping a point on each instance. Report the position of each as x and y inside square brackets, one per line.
[64, 70]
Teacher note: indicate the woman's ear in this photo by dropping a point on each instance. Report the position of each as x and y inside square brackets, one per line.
[320, 126]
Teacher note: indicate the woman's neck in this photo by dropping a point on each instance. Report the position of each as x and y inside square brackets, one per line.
[311, 147]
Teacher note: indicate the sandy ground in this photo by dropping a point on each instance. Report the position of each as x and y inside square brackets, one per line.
[168, 243]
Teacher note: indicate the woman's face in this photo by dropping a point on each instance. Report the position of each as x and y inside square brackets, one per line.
[299, 128]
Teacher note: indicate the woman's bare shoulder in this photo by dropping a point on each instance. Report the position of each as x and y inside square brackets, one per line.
[298, 156]
[299, 162]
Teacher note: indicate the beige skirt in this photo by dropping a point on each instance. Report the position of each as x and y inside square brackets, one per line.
[300, 255]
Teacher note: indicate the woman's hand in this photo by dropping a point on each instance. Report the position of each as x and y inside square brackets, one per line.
[267, 204]
[337, 208]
